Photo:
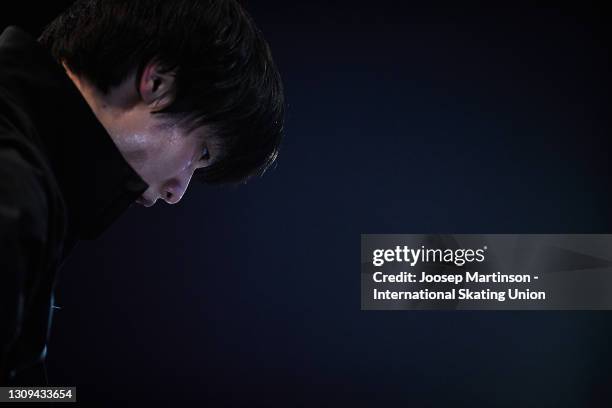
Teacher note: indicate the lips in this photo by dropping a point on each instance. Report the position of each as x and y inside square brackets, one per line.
[144, 202]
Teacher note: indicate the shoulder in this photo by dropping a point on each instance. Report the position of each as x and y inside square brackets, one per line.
[24, 196]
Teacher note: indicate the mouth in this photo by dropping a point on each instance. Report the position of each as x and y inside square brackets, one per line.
[144, 202]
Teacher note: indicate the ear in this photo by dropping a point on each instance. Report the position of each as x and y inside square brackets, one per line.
[156, 86]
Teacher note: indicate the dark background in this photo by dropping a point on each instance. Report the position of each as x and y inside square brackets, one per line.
[401, 119]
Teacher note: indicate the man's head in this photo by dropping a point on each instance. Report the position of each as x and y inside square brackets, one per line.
[184, 87]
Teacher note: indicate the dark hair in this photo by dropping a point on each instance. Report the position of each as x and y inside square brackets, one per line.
[225, 76]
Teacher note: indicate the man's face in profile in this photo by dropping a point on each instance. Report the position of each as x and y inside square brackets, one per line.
[164, 155]
[160, 150]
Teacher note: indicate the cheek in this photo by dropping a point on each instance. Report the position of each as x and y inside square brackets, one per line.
[172, 160]
[134, 148]
[180, 158]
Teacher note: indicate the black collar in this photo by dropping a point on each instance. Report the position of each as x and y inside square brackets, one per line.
[96, 182]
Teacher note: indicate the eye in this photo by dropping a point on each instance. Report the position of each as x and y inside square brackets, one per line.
[205, 154]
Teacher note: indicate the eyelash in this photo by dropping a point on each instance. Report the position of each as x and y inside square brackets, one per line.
[205, 155]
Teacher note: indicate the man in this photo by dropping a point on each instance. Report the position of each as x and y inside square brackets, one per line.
[119, 101]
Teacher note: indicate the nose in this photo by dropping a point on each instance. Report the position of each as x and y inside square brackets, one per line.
[174, 190]
[171, 197]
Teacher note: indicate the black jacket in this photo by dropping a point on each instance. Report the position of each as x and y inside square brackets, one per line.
[61, 179]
